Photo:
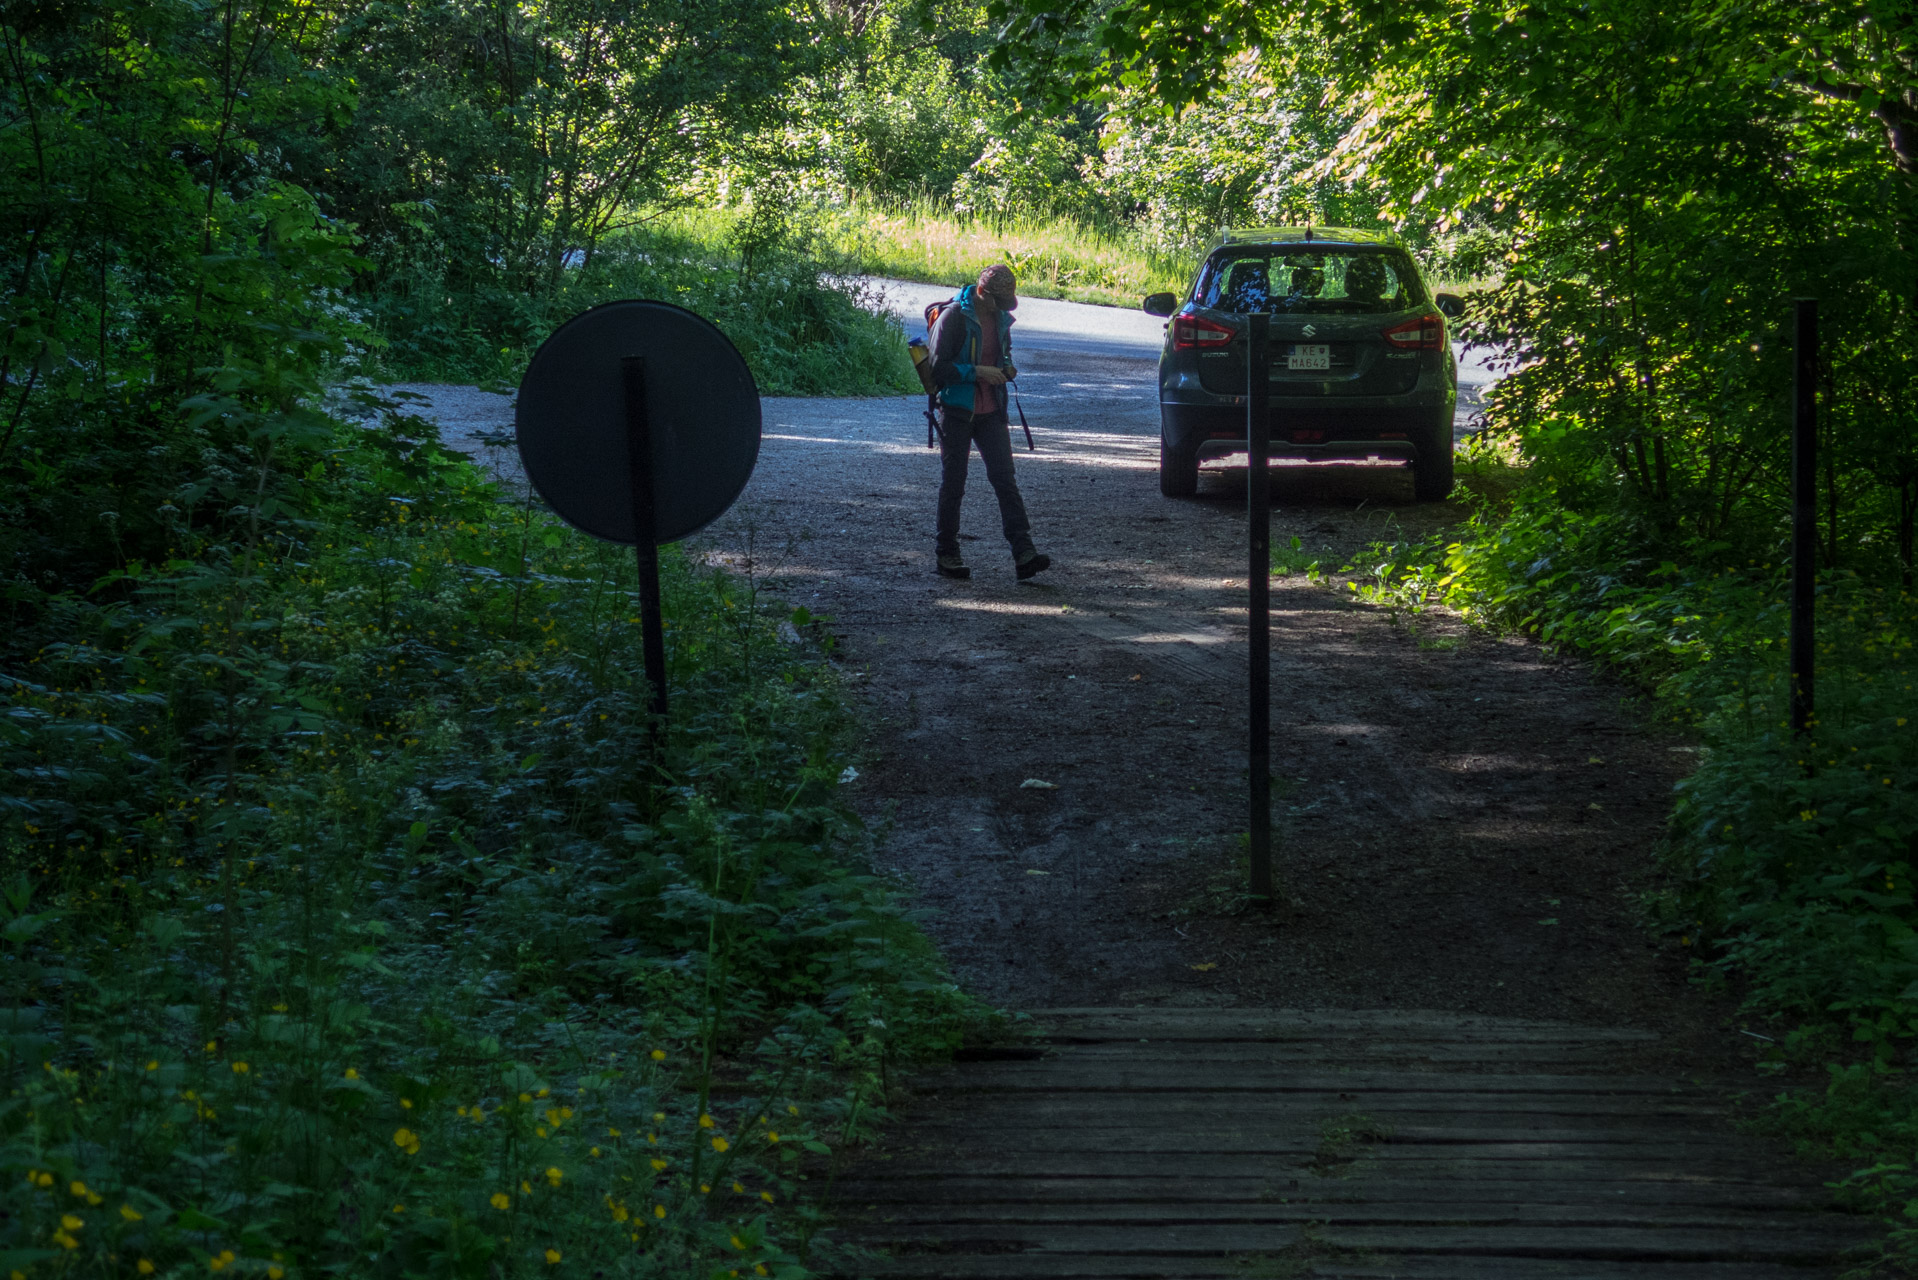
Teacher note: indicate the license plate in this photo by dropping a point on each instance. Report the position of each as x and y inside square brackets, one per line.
[1309, 355]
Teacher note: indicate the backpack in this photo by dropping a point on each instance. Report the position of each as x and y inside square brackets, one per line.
[921, 355]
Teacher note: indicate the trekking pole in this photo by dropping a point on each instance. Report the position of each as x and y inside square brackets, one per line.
[1022, 418]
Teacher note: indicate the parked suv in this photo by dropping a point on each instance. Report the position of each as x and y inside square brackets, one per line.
[1359, 364]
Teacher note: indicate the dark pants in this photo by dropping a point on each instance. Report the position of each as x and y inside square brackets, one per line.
[959, 431]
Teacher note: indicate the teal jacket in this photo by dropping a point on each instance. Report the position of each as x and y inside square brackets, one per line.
[955, 350]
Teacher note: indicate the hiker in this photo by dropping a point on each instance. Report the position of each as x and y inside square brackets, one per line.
[971, 363]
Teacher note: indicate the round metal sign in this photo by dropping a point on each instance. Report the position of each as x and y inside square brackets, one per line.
[702, 409]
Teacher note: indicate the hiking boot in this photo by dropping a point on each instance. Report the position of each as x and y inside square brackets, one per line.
[1030, 563]
[951, 566]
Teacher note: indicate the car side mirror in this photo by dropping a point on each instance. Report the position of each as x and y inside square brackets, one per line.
[1451, 304]
[1160, 304]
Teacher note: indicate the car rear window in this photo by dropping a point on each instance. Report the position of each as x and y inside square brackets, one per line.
[1286, 281]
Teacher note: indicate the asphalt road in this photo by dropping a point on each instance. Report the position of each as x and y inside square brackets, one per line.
[1043, 324]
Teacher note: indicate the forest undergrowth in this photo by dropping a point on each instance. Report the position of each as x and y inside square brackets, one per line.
[356, 922]
[1790, 859]
[788, 300]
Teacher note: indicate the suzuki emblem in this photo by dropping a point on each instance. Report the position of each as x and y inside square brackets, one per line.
[1311, 331]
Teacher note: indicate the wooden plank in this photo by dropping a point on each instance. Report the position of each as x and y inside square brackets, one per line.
[1305, 1266]
[1171, 1077]
[1070, 1108]
[1303, 1142]
[894, 1220]
[1369, 1022]
[1332, 1053]
[1784, 1244]
[856, 1191]
[1432, 1128]
[1160, 1144]
[1678, 1167]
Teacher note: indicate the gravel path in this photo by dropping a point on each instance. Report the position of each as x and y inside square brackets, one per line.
[1464, 822]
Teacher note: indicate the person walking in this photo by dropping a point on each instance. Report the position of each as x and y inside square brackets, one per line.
[971, 363]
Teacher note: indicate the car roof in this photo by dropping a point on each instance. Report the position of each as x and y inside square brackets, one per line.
[1315, 235]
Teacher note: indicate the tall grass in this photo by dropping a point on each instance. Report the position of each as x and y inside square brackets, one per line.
[1053, 257]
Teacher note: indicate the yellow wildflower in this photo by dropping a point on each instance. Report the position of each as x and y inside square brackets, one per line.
[71, 1222]
[553, 1175]
[500, 1200]
[659, 1211]
[145, 1268]
[720, 1144]
[241, 1068]
[78, 1188]
[552, 1257]
[131, 1214]
[659, 1055]
[705, 1122]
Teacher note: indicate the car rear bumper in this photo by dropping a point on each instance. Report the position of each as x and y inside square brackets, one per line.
[1312, 430]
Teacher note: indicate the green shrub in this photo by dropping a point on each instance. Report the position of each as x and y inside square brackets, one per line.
[356, 921]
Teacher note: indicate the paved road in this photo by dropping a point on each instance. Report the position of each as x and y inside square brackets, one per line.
[1048, 325]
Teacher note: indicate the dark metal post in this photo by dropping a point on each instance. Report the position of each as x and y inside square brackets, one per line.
[1804, 508]
[1258, 519]
[639, 454]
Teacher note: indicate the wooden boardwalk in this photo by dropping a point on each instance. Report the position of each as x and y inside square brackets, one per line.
[1182, 1144]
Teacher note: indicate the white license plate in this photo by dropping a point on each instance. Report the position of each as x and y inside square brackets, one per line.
[1309, 355]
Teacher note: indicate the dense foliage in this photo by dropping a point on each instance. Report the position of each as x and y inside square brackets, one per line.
[357, 922]
[355, 918]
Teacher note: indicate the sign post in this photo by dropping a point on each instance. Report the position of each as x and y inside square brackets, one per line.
[1258, 520]
[1804, 508]
[639, 462]
[638, 423]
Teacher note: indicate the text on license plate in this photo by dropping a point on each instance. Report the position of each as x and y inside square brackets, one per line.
[1309, 355]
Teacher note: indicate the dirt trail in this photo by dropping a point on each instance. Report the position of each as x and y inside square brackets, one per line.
[1464, 821]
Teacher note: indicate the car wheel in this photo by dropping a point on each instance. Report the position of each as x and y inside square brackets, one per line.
[1432, 469]
[1178, 469]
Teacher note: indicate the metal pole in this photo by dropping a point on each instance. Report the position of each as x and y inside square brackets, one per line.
[1258, 513]
[639, 455]
[1804, 508]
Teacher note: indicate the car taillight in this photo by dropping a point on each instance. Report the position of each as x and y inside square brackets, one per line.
[1189, 332]
[1427, 333]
